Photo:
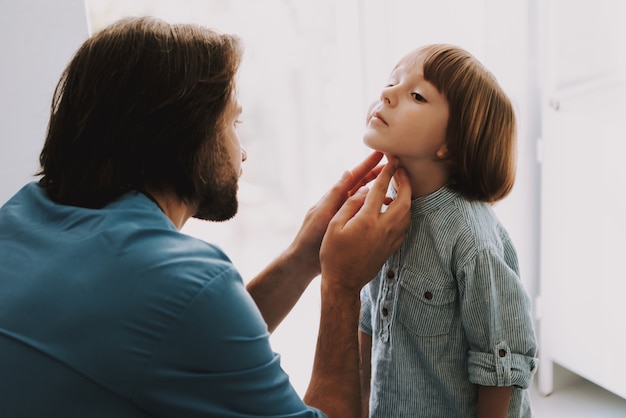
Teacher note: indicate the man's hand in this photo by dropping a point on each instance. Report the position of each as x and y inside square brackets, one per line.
[358, 240]
[278, 287]
[306, 245]
[360, 237]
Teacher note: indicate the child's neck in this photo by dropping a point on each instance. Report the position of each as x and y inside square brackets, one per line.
[427, 180]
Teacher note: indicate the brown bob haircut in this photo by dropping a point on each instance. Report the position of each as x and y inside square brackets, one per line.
[482, 133]
[139, 106]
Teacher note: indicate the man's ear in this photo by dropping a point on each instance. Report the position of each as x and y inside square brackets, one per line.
[442, 152]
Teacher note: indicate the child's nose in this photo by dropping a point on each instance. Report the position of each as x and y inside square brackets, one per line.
[386, 95]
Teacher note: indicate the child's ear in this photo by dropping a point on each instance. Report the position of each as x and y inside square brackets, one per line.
[442, 152]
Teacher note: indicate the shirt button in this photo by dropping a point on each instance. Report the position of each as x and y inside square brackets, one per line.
[384, 311]
[391, 274]
[502, 352]
[428, 295]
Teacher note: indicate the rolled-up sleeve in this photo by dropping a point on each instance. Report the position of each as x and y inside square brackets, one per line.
[365, 323]
[496, 316]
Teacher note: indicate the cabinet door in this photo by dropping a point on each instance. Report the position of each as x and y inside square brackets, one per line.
[583, 183]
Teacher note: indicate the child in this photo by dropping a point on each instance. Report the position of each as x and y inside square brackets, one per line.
[446, 329]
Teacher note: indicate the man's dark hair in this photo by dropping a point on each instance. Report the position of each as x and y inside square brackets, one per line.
[135, 108]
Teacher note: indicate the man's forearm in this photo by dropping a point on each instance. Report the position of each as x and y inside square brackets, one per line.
[335, 380]
[278, 288]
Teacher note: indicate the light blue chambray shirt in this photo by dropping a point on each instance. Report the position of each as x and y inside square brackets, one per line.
[448, 312]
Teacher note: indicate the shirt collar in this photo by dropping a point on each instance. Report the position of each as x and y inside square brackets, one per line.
[431, 202]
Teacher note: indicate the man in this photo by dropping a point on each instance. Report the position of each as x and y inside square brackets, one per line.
[107, 310]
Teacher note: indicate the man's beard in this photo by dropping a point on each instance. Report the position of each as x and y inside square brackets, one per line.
[217, 197]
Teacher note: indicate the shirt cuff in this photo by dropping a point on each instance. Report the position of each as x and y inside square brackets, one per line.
[501, 368]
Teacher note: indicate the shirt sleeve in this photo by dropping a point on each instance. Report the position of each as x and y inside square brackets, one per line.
[365, 323]
[217, 361]
[495, 310]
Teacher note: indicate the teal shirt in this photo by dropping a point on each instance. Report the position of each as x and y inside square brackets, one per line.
[114, 313]
[448, 312]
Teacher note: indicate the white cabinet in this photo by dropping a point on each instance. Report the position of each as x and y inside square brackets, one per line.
[583, 209]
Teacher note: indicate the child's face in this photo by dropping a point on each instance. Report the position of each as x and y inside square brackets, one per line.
[410, 119]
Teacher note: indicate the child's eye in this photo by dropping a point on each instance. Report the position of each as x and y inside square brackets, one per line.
[418, 97]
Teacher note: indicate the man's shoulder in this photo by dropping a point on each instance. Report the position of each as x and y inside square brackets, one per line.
[165, 252]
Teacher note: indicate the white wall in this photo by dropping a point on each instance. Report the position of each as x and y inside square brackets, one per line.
[38, 40]
[512, 40]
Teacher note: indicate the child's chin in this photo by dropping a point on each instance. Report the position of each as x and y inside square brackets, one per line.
[374, 148]
[370, 144]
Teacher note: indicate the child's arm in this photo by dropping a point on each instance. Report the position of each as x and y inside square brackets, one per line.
[498, 325]
[493, 401]
[365, 346]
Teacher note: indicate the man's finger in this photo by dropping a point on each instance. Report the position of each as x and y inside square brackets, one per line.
[376, 197]
[350, 208]
[367, 178]
[363, 169]
[351, 181]
[403, 196]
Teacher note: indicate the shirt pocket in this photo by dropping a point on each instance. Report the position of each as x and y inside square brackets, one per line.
[426, 308]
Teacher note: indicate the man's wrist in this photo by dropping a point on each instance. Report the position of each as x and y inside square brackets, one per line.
[307, 266]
